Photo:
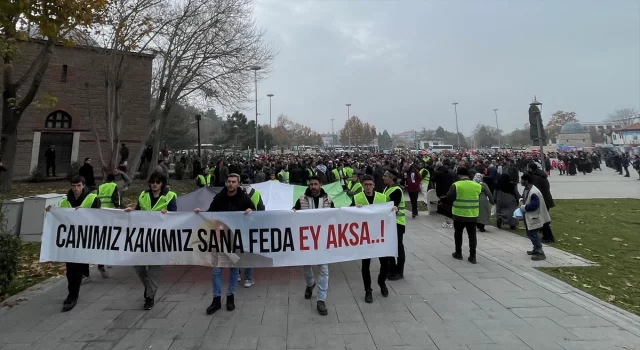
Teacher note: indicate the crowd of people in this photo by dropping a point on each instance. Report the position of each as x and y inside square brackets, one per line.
[467, 185]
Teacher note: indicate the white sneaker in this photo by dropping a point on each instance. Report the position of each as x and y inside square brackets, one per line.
[248, 283]
[103, 272]
[86, 279]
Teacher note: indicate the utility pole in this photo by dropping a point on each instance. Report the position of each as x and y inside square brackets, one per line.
[455, 109]
[495, 110]
[333, 147]
[255, 70]
[348, 118]
[198, 118]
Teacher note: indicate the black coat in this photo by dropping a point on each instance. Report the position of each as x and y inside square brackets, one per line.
[539, 179]
[238, 202]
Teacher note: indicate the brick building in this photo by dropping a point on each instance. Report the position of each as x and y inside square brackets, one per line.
[68, 126]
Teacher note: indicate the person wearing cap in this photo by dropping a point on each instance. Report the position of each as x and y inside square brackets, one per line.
[314, 197]
[256, 199]
[366, 197]
[465, 196]
[394, 194]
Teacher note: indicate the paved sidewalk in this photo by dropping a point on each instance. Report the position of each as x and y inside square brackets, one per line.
[500, 303]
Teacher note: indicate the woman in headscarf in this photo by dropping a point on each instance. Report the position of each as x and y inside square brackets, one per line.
[486, 200]
[507, 198]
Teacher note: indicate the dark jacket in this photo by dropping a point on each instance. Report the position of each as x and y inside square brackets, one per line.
[77, 202]
[307, 193]
[238, 202]
[539, 179]
[412, 180]
[86, 171]
[443, 178]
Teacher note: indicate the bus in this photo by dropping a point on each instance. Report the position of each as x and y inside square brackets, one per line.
[441, 148]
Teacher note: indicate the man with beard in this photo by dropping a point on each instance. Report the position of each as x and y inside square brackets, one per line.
[370, 196]
[156, 198]
[77, 197]
[231, 198]
[315, 198]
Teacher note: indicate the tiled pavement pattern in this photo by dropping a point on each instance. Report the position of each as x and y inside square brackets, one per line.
[500, 303]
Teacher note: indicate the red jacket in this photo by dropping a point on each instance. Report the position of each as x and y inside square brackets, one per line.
[412, 180]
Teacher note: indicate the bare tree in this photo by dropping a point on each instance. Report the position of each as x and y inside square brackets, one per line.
[204, 51]
[127, 30]
[624, 116]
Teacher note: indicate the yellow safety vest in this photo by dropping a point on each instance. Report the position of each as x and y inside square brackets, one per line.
[255, 197]
[336, 174]
[348, 171]
[467, 203]
[145, 201]
[361, 198]
[400, 218]
[105, 191]
[310, 172]
[354, 186]
[205, 180]
[86, 203]
[425, 176]
[212, 171]
[285, 176]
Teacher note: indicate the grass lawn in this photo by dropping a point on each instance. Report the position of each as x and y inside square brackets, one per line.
[607, 232]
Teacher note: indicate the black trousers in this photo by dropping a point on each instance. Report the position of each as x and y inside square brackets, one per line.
[366, 274]
[547, 234]
[458, 227]
[75, 272]
[397, 265]
[413, 198]
[51, 166]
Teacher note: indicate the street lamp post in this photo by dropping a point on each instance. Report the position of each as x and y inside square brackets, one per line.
[540, 139]
[198, 118]
[348, 128]
[270, 96]
[255, 70]
[455, 109]
[333, 147]
[495, 110]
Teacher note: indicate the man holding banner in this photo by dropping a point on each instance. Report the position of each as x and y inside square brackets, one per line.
[315, 198]
[370, 196]
[156, 198]
[77, 197]
[230, 198]
[394, 194]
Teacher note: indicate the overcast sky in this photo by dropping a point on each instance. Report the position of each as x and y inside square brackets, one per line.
[402, 63]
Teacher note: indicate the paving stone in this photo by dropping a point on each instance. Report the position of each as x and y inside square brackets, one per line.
[442, 303]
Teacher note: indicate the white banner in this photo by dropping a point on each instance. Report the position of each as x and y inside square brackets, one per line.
[229, 239]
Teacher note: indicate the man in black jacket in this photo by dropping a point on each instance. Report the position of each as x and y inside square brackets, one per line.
[77, 197]
[86, 171]
[231, 198]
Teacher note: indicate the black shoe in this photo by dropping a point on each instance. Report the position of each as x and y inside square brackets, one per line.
[539, 257]
[69, 304]
[472, 259]
[308, 292]
[395, 277]
[499, 223]
[531, 252]
[549, 241]
[384, 290]
[368, 297]
[148, 303]
[231, 305]
[457, 255]
[322, 308]
[215, 306]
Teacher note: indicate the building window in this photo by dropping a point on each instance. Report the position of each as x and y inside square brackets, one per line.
[65, 68]
[58, 120]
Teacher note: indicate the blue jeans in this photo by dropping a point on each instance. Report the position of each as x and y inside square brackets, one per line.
[248, 274]
[535, 239]
[217, 281]
[323, 279]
